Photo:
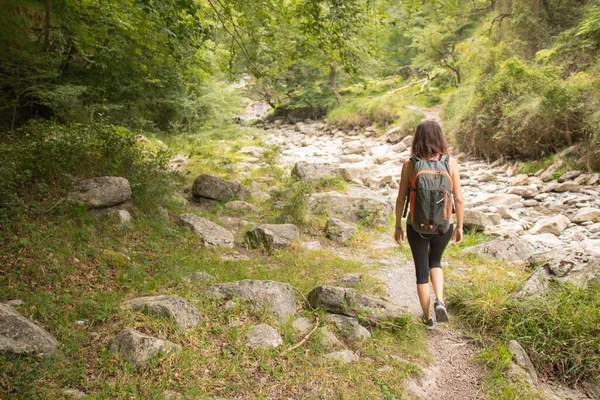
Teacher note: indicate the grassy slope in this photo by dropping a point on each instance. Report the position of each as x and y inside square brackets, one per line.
[68, 266]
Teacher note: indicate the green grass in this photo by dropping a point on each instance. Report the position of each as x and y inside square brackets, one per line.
[69, 267]
[372, 105]
[559, 330]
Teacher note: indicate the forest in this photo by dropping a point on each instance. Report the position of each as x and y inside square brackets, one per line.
[121, 88]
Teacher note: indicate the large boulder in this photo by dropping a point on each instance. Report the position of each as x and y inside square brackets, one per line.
[349, 302]
[138, 348]
[511, 249]
[105, 191]
[215, 188]
[478, 220]
[355, 209]
[311, 171]
[339, 231]
[181, 311]
[554, 225]
[275, 297]
[273, 236]
[263, 336]
[18, 335]
[213, 235]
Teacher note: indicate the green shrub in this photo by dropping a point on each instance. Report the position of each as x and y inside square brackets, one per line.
[522, 111]
[43, 159]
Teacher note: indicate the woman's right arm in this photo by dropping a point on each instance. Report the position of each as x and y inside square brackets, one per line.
[459, 201]
[401, 200]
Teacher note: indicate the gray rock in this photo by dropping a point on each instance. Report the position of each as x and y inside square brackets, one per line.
[138, 348]
[238, 205]
[348, 327]
[172, 395]
[478, 220]
[522, 359]
[511, 249]
[123, 215]
[273, 236]
[554, 225]
[261, 196]
[302, 325]
[215, 188]
[182, 312]
[309, 171]
[275, 297]
[328, 339]
[343, 356]
[407, 141]
[104, 191]
[201, 277]
[349, 280]
[18, 335]
[263, 337]
[353, 174]
[213, 235]
[575, 268]
[350, 303]
[351, 208]
[339, 231]
[74, 394]
[593, 179]
[587, 214]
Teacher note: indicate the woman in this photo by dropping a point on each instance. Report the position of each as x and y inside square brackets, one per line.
[429, 143]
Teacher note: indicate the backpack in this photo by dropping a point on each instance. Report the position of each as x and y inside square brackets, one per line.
[430, 195]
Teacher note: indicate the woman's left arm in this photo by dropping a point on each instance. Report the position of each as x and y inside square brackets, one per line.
[459, 201]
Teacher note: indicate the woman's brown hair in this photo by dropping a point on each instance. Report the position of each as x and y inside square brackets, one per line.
[429, 140]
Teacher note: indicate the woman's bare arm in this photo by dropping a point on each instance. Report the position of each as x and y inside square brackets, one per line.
[459, 201]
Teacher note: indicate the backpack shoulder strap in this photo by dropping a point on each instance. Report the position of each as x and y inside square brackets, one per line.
[414, 159]
[445, 158]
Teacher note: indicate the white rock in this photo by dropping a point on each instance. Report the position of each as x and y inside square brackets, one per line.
[587, 214]
[343, 356]
[263, 337]
[545, 239]
[554, 225]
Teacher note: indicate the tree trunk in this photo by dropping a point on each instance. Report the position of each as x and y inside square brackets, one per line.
[332, 83]
[47, 25]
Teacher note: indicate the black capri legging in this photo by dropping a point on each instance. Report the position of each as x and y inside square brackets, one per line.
[427, 251]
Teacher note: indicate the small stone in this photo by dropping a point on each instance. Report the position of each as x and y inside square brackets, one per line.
[238, 205]
[339, 231]
[212, 234]
[568, 176]
[139, 348]
[522, 359]
[74, 394]
[348, 327]
[329, 340]
[302, 325]
[201, 277]
[520, 180]
[263, 336]
[172, 395]
[567, 187]
[530, 203]
[273, 236]
[182, 312]
[343, 356]
[349, 280]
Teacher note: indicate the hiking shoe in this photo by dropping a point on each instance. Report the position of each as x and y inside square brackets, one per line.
[441, 315]
[428, 322]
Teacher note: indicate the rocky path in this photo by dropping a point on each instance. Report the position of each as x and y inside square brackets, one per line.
[543, 214]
